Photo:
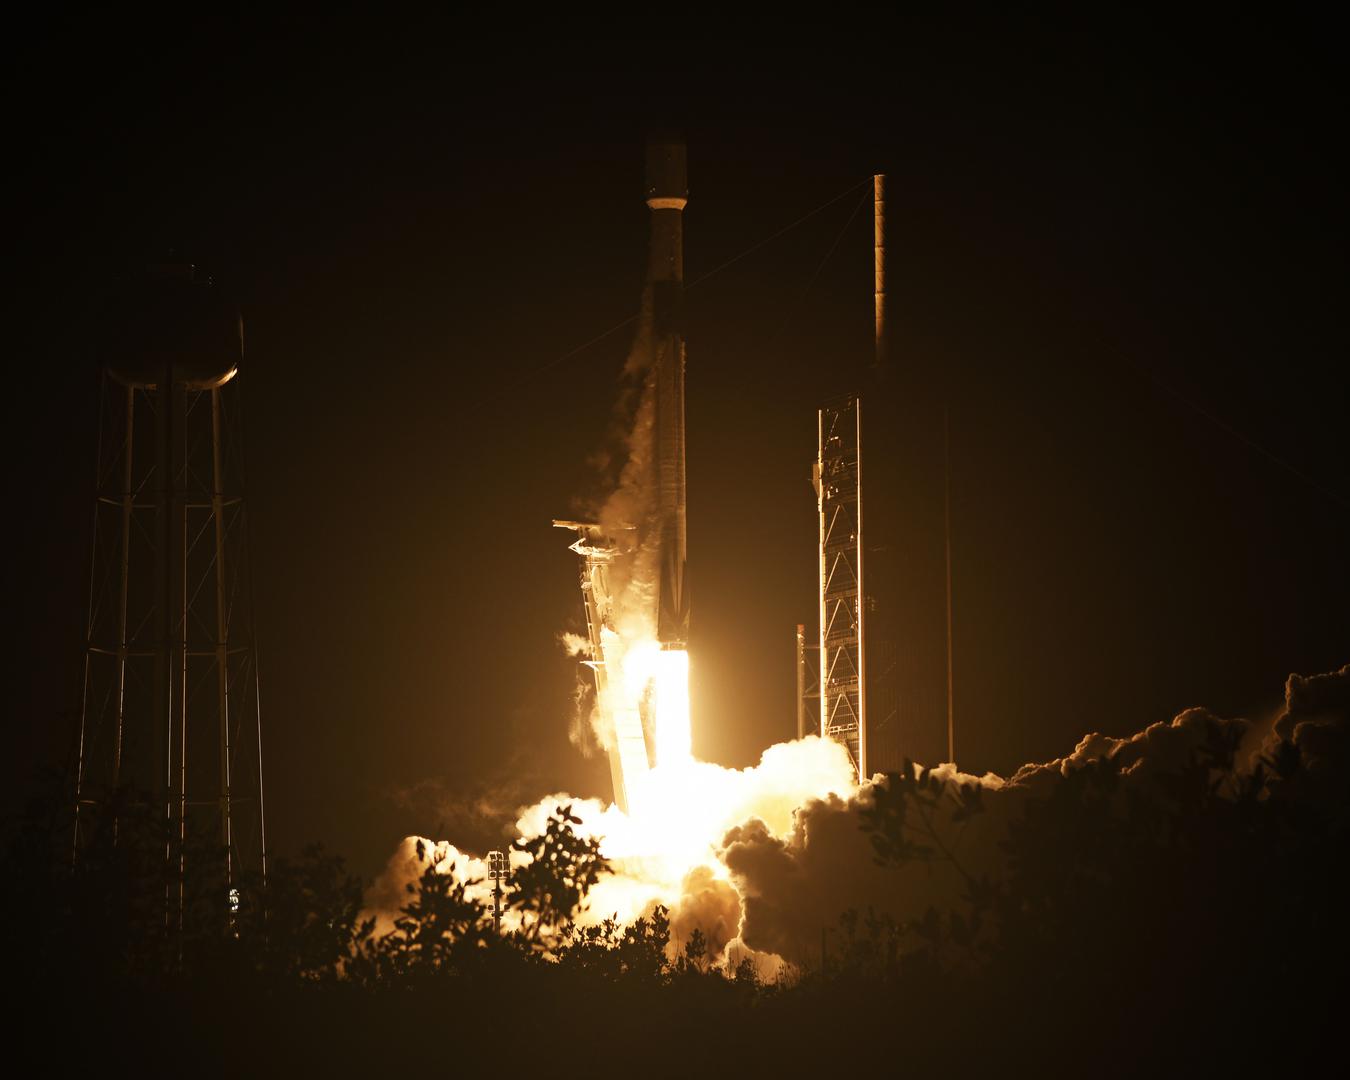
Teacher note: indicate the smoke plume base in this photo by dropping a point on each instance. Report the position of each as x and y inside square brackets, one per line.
[761, 860]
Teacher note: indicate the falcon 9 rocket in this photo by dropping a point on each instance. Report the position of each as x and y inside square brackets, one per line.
[667, 193]
[642, 685]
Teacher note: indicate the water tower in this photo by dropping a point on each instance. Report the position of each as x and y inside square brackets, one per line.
[170, 707]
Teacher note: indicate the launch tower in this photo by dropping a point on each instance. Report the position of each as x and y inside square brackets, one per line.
[843, 654]
[845, 601]
[885, 636]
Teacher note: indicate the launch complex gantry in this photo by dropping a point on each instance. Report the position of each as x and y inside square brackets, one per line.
[630, 754]
[843, 602]
[843, 598]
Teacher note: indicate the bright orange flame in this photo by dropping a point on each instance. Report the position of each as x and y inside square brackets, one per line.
[671, 686]
[679, 809]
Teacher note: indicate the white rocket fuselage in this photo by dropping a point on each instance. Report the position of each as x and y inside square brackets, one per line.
[667, 193]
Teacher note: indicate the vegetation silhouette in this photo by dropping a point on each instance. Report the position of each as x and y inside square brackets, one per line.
[1186, 920]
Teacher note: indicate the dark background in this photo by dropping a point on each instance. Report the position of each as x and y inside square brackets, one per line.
[1123, 250]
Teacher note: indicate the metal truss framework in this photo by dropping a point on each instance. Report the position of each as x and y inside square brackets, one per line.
[170, 704]
[808, 681]
[628, 755]
[838, 479]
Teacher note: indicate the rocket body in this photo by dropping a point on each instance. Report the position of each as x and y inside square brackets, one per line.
[667, 193]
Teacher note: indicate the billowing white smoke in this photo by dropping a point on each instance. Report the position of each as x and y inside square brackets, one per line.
[668, 854]
[762, 860]
[794, 887]
[388, 893]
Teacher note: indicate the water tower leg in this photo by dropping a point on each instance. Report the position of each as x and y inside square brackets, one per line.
[124, 578]
[222, 633]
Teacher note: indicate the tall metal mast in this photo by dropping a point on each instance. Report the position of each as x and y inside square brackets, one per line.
[839, 494]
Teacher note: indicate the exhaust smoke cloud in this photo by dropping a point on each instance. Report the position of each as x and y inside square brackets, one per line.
[763, 860]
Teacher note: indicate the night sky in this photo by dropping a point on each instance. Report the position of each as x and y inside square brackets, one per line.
[1124, 256]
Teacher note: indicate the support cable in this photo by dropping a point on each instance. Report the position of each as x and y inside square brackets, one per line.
[1224, 426]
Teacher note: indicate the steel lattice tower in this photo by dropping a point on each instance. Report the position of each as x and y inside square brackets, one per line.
[170, 707]
[843, 657]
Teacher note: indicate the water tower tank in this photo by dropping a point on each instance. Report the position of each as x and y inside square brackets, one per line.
[168, 318]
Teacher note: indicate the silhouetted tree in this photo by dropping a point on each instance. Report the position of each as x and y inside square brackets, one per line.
[438, 930]
[550, 890]
[304, 922]
[1132, 910]
[694, 957]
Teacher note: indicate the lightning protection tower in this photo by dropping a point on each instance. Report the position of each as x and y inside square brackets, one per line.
[170, 704]
[843, 655]
[844, 600]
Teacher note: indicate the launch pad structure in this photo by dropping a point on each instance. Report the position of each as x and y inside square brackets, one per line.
[885, 651]
[843, 607]
[629, 754]
[844, 601]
